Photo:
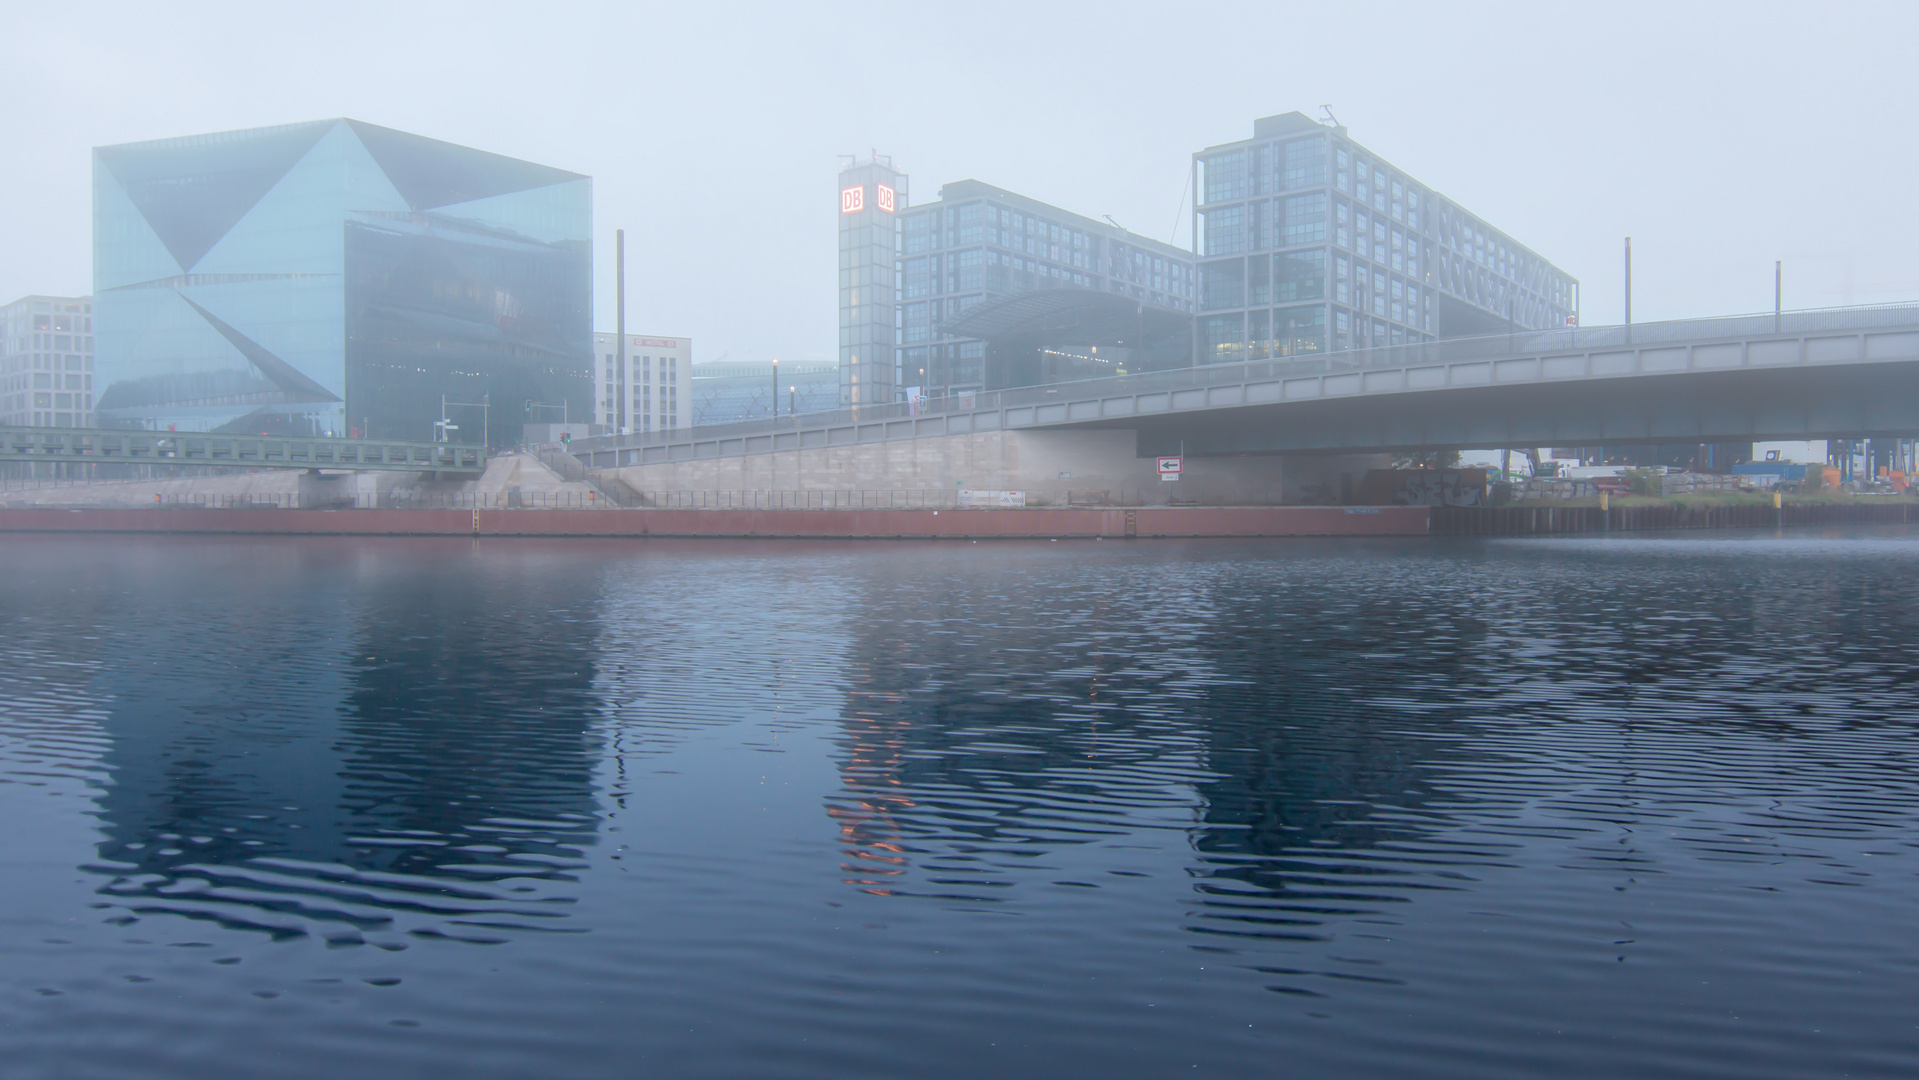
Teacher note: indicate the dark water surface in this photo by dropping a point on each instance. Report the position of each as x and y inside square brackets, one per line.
[372, 808]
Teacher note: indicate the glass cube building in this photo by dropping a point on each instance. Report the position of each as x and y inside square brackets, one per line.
[1309, 242]
[335, 277]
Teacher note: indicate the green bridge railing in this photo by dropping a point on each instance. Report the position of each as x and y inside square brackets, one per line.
[104, 446]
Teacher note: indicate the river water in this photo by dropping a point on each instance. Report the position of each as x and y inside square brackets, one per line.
[383, 808]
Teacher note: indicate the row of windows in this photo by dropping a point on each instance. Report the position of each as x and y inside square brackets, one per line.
[1294, 276]
[19, 402]
[973, 224]
[1298, 331]
[1174, 276]
[1263, 170]
[44, 381]
[72, 318]
[1373, 182]
[45, 362]
[980, 215]
[62, 342]
[643, 403]
[1233, 283]
[49, 419]
[1287, 222]
[974, 269]
[1262, 334]
[1367, 186]
[669, 367]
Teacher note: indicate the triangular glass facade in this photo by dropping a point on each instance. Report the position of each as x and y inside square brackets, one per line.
[336, 277]
[430, 173]
[192, 190]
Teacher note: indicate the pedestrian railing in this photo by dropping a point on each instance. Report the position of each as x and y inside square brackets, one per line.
[898, 499]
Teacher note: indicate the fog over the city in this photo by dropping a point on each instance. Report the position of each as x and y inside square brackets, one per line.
[1719, 136]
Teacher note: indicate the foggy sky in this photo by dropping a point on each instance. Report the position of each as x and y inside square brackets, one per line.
[1719, 136]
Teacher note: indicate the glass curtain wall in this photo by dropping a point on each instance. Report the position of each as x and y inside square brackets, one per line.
[337, 278]
[1309, 242]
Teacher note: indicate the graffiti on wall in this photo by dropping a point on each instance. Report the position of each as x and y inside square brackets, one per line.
[1424, 487]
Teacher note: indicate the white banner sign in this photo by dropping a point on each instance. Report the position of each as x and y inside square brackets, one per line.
[971, 497]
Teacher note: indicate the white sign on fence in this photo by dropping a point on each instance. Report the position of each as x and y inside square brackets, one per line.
[971, 497]
[1169, 467]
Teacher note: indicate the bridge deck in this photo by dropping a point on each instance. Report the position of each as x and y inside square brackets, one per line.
[100, 446]
[1576, 355]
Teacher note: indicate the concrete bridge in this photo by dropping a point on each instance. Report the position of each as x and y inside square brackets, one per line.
[1258, 427]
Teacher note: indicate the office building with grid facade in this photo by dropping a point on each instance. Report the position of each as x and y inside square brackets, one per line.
[46, 362]
[1307, 242]
[651, 390]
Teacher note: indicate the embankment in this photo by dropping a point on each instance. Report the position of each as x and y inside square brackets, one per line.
[1547, 520]
[981, 523]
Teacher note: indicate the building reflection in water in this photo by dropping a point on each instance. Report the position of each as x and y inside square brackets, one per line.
[411, 758]
[1008, 714]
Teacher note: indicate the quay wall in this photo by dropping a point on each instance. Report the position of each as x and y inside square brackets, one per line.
[1548, 520]
[971, 523]
[1053, 468]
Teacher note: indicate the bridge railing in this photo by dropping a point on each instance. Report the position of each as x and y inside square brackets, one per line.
[70, 497]
[1444, 351]
[100, 446]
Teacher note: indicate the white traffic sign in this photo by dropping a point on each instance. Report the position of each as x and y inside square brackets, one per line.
[1170, 467]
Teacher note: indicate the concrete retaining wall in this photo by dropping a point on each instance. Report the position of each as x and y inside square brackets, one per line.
[1053, 467]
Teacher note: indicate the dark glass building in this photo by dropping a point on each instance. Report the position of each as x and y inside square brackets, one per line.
[1309, 242]
[999, 290]
[335, 277]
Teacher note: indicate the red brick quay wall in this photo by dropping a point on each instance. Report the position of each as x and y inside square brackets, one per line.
[1545, 520]
[971, 523]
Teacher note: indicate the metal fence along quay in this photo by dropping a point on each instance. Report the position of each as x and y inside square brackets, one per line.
[102, 495]
[110, 446]
[934, 499]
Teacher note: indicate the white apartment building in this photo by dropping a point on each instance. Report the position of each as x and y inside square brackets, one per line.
[46, 362]
[651, 391]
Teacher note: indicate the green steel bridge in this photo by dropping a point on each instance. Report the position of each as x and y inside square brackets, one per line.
[108, 446]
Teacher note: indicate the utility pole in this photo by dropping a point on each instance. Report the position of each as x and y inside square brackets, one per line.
[619, 328]
[1778, 292]
[1628, 281]
[776, 388]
